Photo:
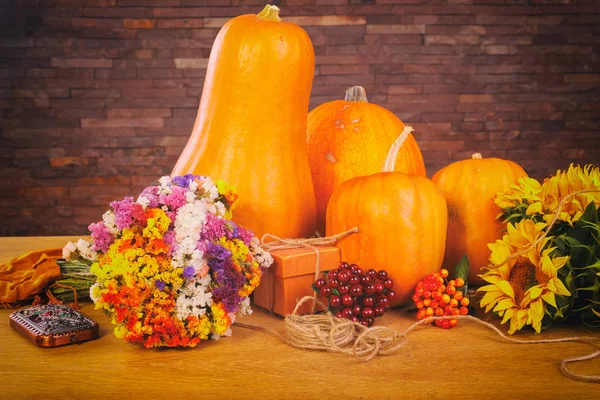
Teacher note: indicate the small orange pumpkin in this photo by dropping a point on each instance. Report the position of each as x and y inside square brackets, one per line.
[251, 125]
[402, 222]
[350, 138]
[469, 187]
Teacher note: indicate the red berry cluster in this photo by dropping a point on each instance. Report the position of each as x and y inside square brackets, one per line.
[357, 295]
[435, 296]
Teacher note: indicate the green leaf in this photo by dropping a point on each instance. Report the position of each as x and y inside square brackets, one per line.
[589, 215]
[462, 271]
[462, 268]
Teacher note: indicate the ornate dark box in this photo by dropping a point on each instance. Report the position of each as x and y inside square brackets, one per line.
[53, 325]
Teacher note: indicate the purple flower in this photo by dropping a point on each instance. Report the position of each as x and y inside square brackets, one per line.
[124, 212]
[218, 256]
[188, 272]
[160, 285]
[214, 228]
[169, 239]
[175, 199]
[245, 235]
[101, 236]
[151, 193]
[227, 295]
[183, 181]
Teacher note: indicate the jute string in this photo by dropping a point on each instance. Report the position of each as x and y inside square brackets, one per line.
[325, 332]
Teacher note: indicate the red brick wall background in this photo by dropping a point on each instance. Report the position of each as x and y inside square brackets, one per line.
[98, 97]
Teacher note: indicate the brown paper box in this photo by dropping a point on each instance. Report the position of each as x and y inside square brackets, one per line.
[291, 276]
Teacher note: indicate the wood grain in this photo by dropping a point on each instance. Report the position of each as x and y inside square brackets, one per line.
[468, 361]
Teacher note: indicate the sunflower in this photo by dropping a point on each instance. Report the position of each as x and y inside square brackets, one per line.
[563, 184]
[522, 286]
[530, 199]
[526, 191]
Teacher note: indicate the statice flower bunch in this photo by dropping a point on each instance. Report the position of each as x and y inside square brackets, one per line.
[172, 268]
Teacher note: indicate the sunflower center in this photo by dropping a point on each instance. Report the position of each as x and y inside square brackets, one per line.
[523, 275]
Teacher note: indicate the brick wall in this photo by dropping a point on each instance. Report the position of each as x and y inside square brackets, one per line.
[97, 97]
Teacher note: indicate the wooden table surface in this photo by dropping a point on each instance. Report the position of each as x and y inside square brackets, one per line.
[469, 361]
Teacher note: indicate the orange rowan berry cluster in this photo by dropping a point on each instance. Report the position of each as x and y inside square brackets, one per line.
[436, 296]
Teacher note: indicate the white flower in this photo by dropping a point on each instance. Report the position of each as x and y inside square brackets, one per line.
[190, 197]
[232, 316]
[144, 201]
[261, 256]
[220, 208]
[193, 186]
[193, 299]
[94, 289]
[245, 308]
[187, 245]
[85, 249]
[165, 181]
[210, 188]
[109, 220]
[68, 250]
[216, 336]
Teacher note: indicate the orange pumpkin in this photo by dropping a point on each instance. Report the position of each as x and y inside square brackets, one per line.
[350, 138]
[469, 187]
[402, 222]
[251, 125]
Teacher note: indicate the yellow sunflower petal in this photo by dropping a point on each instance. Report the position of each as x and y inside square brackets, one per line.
[535, 208]
[536, 313]
[504, 304]
[505, 287]
[522, 318]
[560, 262]
[490, 299]
[490, 277]
[531, 294]
[559, 287]
[549, 298]
[548, 267]
[508, 314]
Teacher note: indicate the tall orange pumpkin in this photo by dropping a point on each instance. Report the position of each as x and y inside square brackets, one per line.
[251, 125]
[351, 137]
[469, 187]
[402, 223]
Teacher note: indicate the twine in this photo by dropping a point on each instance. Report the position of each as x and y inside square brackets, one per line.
[325, 332]
[53, 300]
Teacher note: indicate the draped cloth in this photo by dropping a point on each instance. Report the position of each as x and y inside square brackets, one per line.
[28, 274]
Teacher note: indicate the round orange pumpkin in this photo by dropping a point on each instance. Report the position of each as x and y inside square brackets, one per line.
[469, 187]
[350, 138]
[251, 125]
[402, 223]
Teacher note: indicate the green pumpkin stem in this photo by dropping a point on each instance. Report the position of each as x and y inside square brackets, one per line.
[390, 160]
[270, 13]
[356, 93]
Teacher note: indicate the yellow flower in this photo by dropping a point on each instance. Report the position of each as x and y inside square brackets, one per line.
[565, 183]
[527, 190]
[519, 289]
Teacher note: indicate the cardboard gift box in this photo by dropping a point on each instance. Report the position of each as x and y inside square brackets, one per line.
[291, 276]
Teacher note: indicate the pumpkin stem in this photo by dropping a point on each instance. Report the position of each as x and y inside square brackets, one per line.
[390, 160]
[356, 93]
[269, 13]
[476, 156]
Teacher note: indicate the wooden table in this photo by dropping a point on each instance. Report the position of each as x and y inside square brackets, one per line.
[469, 361]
